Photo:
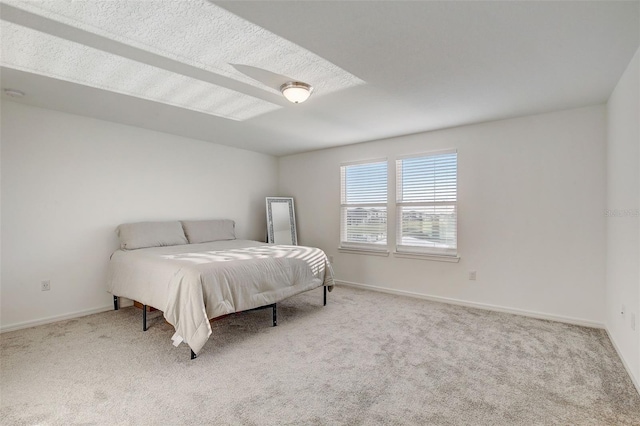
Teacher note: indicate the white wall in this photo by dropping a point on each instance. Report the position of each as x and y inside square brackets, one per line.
[68, 181]
[623, 229]
[531, 200]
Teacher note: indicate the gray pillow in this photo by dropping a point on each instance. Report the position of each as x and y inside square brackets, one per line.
[150, 234]
[203, 231]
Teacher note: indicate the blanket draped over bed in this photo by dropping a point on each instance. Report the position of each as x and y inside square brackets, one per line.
[194, 283]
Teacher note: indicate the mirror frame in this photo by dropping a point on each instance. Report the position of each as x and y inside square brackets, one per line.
[292, 218]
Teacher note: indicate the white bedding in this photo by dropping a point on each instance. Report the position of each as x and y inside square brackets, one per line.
[193, 283]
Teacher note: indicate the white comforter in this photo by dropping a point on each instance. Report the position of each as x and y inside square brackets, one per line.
[193, 283]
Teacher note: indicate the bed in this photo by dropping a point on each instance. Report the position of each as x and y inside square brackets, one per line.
[170, 268]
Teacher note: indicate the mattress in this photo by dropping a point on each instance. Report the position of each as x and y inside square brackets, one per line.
[194, 283]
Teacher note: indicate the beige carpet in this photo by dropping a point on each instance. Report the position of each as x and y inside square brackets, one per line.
[366, 358]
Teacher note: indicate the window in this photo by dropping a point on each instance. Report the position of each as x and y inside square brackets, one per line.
[426, 201]
[363, 206]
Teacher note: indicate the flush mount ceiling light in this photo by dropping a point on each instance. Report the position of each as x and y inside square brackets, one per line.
[296, 91]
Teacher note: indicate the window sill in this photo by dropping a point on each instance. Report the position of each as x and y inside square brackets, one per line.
[424, 256]
[371, 252]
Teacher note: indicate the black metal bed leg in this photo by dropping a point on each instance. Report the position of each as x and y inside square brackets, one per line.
[193, 354]
[325, 295]
[144, 317]
[275, 317]
[115, 303]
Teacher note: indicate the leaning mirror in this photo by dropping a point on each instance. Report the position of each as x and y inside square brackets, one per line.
[281, 221]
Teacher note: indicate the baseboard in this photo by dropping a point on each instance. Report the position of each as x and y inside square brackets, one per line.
[485, 306]
[624, 362]
[56, 318]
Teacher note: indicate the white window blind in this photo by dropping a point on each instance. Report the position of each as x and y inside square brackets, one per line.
[363, 206]
[427, 196]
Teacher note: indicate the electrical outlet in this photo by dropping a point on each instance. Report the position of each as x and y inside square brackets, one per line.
[623, 309]
[45, 285]
[633, 320]
[472, 275]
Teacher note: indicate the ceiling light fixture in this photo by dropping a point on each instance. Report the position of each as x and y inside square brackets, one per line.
[13, 93]
[296, 91]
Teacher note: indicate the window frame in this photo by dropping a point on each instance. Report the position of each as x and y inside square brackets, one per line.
[362, 247]
[415, 251]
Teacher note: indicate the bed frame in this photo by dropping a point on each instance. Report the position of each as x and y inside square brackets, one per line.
[116, 306]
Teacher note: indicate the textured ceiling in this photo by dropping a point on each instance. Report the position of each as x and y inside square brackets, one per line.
[380, 69]
[196, 33]
[29, 50]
